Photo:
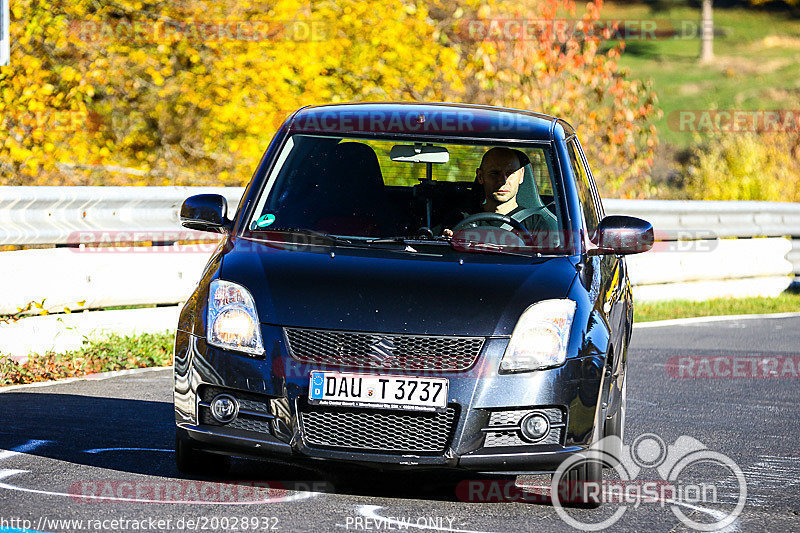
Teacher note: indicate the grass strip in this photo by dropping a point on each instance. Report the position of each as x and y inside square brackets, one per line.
[112, 353]
[650, 311]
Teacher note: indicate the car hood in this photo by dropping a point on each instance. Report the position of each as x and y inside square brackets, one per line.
[375, 291]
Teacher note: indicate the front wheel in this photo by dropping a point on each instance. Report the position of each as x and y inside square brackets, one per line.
[616, 424]
[191, 460]
[581, 485]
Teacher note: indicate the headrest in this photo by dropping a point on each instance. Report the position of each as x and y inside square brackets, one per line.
[528, 194]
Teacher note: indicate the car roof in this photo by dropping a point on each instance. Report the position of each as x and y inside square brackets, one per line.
[431, 119]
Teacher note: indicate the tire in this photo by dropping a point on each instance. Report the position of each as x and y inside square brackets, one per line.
[615, 426]
[580, 485]
[191, 460]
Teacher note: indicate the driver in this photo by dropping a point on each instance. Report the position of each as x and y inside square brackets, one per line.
[500, 174]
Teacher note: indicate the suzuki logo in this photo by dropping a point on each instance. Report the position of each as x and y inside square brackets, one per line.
[382, 351]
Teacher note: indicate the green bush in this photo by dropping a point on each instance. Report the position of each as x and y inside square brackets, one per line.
[744, 166]
[113, 353]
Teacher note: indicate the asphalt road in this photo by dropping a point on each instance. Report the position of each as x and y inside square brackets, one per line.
[114, 437]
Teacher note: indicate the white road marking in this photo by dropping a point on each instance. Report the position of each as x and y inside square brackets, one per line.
[645, 402]
[717, 515]
[369, 511]
[25, 448]
[8, 472]
[772, 475]
[107, 499]
[33, 444]
[100, 450]
[706, 319]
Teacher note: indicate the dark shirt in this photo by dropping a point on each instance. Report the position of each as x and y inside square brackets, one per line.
[529, 223]
[532, 223]
[536, 224]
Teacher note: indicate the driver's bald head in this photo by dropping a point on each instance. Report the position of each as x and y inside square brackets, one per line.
[501, 155]
[500, 174]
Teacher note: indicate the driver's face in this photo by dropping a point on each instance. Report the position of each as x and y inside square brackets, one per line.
[500, 174]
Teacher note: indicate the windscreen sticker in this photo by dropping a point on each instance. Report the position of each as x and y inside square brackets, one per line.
[265, 220]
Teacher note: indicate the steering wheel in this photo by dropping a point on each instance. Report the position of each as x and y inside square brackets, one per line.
[527, 238]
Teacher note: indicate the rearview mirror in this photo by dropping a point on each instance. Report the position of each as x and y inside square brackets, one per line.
[619, 234]
[417, 153]
[205, 212]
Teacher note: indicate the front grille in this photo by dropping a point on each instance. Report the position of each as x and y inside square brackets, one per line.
[512, 418]
[376, 430]
[383, 351]
[247, 402]
[503, 427]
[496, 439]
[245, 423]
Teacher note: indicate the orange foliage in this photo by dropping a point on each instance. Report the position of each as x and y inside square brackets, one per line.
[140, 92]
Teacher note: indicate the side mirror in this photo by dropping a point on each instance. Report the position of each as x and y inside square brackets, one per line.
[621, 235]
[205, 212]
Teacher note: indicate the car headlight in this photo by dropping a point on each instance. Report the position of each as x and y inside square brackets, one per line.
[232, 318]
[540, 337]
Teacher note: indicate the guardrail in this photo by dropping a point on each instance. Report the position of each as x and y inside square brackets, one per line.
[53, 215]
[706, 249]
[712, 249]
[47, 215]
[700, 233]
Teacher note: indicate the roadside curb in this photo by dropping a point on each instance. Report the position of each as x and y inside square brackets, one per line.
[89, 377]
[706, 319]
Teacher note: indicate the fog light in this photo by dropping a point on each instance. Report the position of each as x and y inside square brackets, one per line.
[224, 408]
[535, 427]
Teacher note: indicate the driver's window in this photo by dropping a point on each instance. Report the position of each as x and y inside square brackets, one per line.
[591, 212]
[541, 173]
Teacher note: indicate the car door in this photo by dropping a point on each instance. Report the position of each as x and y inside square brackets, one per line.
[609, 298]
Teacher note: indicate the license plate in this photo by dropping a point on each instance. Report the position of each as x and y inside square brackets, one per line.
[378, 391]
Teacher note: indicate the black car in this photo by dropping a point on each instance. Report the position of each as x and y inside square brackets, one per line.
[412, 286]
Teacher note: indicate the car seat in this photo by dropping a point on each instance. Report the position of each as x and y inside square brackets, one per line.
[350, 199]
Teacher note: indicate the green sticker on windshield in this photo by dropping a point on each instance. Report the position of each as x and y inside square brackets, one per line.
[265, 220]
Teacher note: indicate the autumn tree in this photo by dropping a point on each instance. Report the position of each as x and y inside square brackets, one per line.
[149, 92]
[547, 56]
[191, 92]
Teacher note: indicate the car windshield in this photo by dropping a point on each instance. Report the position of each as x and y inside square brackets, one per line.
[364, 192]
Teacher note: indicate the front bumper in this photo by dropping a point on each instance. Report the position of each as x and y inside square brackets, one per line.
[280, 384]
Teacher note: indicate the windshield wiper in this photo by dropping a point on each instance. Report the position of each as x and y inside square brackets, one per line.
[386, 240]
[406, 240]
[488, 247]
[305, 231]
